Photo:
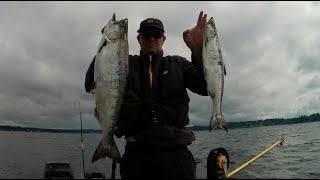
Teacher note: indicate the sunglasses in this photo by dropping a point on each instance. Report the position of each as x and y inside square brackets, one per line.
[155, 34]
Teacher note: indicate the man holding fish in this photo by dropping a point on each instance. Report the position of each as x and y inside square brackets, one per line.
[154, 106]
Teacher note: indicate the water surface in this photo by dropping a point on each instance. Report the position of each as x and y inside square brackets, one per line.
[24, 154]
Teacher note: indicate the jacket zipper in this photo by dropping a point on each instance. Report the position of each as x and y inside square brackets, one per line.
[150, 70]
[153, 111]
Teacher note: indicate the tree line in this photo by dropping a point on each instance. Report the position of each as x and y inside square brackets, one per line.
[231, 125]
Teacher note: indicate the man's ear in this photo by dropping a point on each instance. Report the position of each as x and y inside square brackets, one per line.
[139, 37]
[140, 41]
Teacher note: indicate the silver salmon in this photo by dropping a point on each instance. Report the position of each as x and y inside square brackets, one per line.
[214, 71]
[110, 77]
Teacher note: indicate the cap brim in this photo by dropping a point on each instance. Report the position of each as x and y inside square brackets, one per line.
[150, 29]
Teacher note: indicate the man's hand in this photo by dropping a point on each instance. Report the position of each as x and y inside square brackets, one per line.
[194, 37]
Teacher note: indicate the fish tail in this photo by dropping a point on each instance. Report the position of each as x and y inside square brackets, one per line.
[106, 149]
[217, 121]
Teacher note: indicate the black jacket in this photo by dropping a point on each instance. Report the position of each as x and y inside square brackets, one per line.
[165, 104]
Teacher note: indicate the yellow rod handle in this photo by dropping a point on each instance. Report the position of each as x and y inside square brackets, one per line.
[255, 158]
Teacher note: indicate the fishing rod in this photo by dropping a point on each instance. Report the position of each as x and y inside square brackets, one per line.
[88, 174]
[84, 169]
[83, 166]
[255, 157]
[218, 162]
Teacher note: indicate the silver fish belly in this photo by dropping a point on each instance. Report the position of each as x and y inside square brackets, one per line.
[214, 71]
[110, 76]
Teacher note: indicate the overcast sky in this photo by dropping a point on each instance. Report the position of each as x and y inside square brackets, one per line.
[271, 51]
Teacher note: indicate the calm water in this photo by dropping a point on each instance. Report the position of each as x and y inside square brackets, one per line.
[23, 155]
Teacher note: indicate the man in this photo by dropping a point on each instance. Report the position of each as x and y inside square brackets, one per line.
[154, 112]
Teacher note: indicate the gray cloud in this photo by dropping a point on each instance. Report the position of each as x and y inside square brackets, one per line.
[309, 64]
[314, 83]
[270, 50]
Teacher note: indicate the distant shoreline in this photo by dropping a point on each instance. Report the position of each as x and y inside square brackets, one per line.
[231, 125]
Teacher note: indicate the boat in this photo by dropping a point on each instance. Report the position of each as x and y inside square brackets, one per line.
[58, 170]
[63, 170]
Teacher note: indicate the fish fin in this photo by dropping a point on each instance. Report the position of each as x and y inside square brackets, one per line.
[96, 113]
[225, 127]
[104, 149]
[113, 17]
[93, 88]
[102, 30]
[102, 43]
[211, 124]
[218, 121]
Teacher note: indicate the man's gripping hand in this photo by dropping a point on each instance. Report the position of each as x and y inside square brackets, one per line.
[194, 37]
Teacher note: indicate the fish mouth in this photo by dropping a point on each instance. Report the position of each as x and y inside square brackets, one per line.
[123, 23]
[210, 29]
[124, 26]
[119, 30]
[211, 21]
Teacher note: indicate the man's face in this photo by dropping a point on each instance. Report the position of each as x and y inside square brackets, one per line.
[151, 42]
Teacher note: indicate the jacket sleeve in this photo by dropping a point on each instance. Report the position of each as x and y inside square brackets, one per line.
[194, 76]
[90, 77]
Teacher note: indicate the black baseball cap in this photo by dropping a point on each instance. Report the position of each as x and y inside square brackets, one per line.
[151, 24]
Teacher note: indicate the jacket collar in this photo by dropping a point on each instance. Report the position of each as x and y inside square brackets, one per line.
[155, 57]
